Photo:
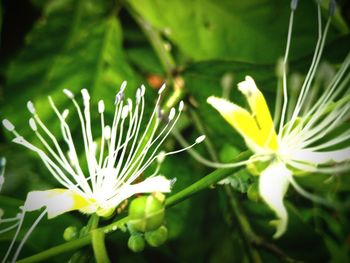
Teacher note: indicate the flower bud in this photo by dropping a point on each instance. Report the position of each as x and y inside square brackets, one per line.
[157, 237]
[136, 243]
[147, 213]
[70, 233]
[106, 213]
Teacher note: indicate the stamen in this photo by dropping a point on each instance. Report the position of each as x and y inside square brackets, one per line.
[123, 86]
[143, 90]
[89, 146]
[125, 111]
[85, 94]
[200, 139]
[284, 77]
[79, 178]
[65, 114]
[14, 238]
[2, 231]
[68, 93]
[311, 73]
[31, 107]
[107, 131]
[36, 222]
[101, 106]
[332, 7]
[161, 157]
[8, 125]
[161, 89]
[171, 114]
[32, 124]
[293, 4]
[181, 105]
[138, 96]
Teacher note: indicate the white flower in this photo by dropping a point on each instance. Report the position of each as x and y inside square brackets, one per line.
[114, 165]
[306, 142]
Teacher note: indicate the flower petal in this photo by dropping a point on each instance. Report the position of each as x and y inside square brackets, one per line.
[322, 157]
[273, 185]
[56, 201]
[256, 127]
[150, 185]
[239, 118]
[260, 111]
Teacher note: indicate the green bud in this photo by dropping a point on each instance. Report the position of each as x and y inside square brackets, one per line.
[157, 237]
[253, 192]
[136, 243]
[146, 213]
[70, 233]
[106, 213]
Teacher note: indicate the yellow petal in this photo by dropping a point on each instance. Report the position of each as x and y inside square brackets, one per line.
[273, 185]
[56, 201]
[260, 111]
[240, 119]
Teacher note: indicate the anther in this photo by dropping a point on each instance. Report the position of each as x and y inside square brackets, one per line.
[161, 89]
[8, 125]
[143, 90]
[125, 111]
[171, 114]
[332, 7]
[107, 132]
[2, 161]
[160, 112]
[117, 99]
[32, 124]
[122, 87]
[85, 94]
[31, 107]
[65, 113]
[101, 106]
[130, 104]
[68, 93]
[200, 139]
[138, 96]
[181, 105]
[293, 4]
[161, 157]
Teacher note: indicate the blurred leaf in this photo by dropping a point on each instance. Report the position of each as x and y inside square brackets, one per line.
[237, 30]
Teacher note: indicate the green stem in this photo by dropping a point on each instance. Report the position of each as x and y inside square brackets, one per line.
[205, 182]
[98, 245]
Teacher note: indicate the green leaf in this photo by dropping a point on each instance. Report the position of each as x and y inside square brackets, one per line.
[238, 30]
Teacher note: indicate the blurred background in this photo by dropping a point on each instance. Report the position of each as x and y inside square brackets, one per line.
[199, 48]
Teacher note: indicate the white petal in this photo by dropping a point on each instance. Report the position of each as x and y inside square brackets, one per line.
[56, 201]
[273, 185]
[150, 185]
[322, 157]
